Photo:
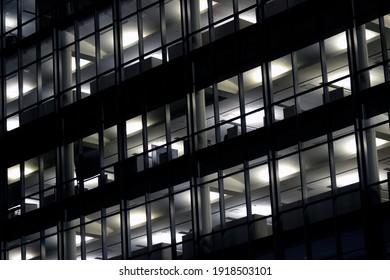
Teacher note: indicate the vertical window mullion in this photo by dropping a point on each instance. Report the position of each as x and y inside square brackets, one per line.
[172, 222]
[83, 245]
[163, 29]
[324, 71]
[118, 41]
[140, 33]
[167, 126]
[77, 58]
[210, 13]
[384, 47]
[242, 103]
[217, 119]
[125, 230]
[148, 208]
[97, 42]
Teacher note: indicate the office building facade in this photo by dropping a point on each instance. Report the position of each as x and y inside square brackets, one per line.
[177, 129]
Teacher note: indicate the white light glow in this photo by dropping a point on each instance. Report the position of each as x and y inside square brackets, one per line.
[13, 90]
[379, 142]
[261, 209]
[214, 196]
[18, 256]
[12, 123]
[263, 174]
[32, 201]
[161, 237]
[256, 75]
[286, 170]
[83, 62]
[255, 119]
[371, 34]
[278, 69]
[129, 38]
[91, 183]
[341, 40]
[249, 17]
[346, 179]
[350, 146]
[10, 22]
[137, 219]
[157, 55]
[203, 5]
[78, 239]
[14, 172]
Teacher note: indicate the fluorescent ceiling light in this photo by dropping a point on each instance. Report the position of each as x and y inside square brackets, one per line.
[32, 201]
[371, 34]
[346, 179]
[14, 172]
[83, 62]
[18, 256]
[162, 237]
[284, 171]
[13, 90]
[157, 55]
[248, 16]
[255, 119]
[78, 239]
[10, 21]
[379, 142]
[350, 146]
[214, 196]
[91, 183]
[137, 219]
[263, 174]
[263, 209]
[203, 5]
[344, 83]
[129, 38]
[12, 123]
[341, 39]
[277, 69]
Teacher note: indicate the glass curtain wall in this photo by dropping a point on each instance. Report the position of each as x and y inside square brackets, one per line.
[315, 179]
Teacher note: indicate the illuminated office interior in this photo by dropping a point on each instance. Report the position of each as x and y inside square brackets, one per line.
[176, 129]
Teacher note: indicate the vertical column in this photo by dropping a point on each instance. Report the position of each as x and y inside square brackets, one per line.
[200, 125]
[68, 149]
[3, 208]
[374, 243]
[269, 119]
[363, 83]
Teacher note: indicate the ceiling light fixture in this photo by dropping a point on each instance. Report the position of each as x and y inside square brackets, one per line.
[83, 63]
[203, 5]
[12, 123]
[277, 69]
[78, 239]
[129, 38]
[347, 178]
[341, 39]
[10, 21]
[14, 172]
[284, 171]
[350, 145]
[133, 126]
